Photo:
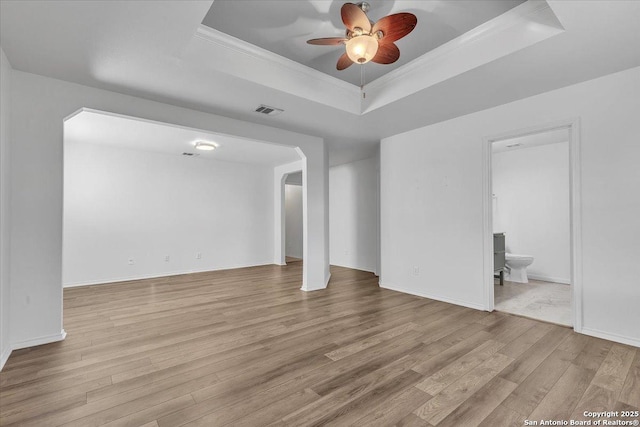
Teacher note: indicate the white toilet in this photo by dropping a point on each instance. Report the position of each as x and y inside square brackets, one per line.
[517, 267]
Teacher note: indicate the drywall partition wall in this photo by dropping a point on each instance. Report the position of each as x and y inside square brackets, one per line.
[165, 214]
[432, 200]
[531, 206]
[353, 214]
[39, 106]
[5, 212]
[293, 220]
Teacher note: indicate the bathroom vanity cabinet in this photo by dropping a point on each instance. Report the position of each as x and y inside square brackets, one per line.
[498, 256]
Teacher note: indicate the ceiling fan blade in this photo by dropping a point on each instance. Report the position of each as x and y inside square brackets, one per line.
[388, 53]
[344, 62]
[328, 41]
[396, 26]
[353, 17]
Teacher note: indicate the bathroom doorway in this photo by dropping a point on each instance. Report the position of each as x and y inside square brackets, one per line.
[531, 182]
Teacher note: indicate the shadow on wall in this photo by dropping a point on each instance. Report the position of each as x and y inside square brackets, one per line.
[293, 216]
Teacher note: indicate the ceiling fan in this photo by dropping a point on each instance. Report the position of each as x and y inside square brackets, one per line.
[366, 41]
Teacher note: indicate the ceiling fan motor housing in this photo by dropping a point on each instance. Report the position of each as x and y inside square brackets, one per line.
[364, 6]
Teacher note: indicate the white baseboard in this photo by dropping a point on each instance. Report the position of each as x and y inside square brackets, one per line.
[435, 297]
[354, 267]
[548, 278]
[110, 281]
[611, 337]
[30, 343]
[39, 341]
[5, 356]
[307, 288]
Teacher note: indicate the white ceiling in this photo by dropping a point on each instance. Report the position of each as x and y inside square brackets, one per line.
[284, 26]
[95, 127]
[151, 49]
[294, 178]
[533, 140]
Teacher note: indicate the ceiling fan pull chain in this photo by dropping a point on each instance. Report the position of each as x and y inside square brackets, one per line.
[364, 94]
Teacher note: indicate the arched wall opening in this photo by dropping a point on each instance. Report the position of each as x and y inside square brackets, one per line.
[280, 175]
[37, 202]
[141, 200]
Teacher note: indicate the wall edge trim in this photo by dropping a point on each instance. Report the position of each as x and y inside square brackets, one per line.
[156, 276]
[543, 278]
[40, 340]
[623, 339]
[307, 288]
[353, 267]
[5, 356]
[435, 297]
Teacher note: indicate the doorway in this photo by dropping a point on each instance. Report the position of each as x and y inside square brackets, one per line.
[294, 239]
[532, 224]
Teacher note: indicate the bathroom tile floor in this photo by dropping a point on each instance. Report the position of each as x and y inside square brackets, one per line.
[546, 301]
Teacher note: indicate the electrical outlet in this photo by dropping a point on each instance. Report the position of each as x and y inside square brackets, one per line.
[131, 262]
[167, 258]
[416, 270]
[199, 255]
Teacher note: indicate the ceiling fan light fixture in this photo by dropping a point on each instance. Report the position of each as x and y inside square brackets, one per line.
[362, 49]
[367, 41]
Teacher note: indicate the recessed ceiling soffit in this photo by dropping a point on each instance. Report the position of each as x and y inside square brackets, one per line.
[525, 25]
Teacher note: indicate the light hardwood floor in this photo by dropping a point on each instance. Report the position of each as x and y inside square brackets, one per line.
[247, 348]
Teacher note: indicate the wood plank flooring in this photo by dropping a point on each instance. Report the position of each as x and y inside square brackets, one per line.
[247, 348]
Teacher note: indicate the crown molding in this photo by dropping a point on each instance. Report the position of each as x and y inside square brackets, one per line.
[516, 29]
[292, 71]
[513, 17]
[246, 48]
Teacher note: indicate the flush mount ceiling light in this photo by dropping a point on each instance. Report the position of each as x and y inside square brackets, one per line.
[205, 146]
[366, 41]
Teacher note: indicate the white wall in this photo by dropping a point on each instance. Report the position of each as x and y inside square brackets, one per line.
[39, 106]
[158, 205]
[5, 198]
[432, 200]
[353, 213]
[294, 178]
[293, 220]
[531, 189]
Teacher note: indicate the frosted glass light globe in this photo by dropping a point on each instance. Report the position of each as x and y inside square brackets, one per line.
[362, 49]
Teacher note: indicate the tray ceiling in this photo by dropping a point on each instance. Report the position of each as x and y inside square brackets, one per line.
[284, 26]
[135, 49]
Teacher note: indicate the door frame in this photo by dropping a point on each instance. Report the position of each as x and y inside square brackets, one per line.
[575, 185]
[279, 238]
